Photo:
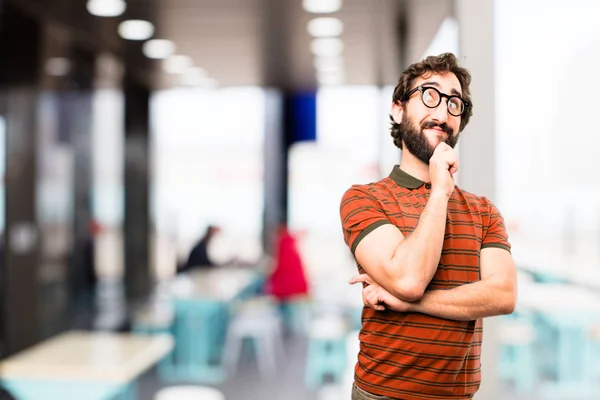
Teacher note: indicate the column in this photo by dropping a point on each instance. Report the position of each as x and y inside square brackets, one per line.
[137, 227]
[19, 71]
[477, 149]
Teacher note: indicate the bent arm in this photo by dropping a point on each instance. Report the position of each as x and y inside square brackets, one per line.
[495, 294]
[405, 266]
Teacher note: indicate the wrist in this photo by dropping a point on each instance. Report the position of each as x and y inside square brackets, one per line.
[413, 306]
[439, 194]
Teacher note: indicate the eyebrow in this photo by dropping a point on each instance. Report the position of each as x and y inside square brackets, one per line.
[437, 85]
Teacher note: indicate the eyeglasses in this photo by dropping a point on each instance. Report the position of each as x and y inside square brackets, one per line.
[432, 98]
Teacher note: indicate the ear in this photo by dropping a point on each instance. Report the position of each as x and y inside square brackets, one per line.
[397, 111]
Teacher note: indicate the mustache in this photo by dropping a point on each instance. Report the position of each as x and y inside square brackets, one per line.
[443, 126]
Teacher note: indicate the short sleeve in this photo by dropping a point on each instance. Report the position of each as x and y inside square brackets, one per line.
[360, 214]
[494, 234]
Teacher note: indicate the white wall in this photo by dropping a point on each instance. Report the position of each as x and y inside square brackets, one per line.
[547, 57]
[207, 157]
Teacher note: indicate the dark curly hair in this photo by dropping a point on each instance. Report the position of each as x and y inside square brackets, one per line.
[441, 64]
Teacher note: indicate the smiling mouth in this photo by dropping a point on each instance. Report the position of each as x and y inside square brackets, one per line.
[438, 131]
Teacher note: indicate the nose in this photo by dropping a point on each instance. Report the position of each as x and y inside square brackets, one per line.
[440, 113]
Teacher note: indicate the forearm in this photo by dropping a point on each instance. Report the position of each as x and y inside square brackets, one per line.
[486, 298]
[416, 258]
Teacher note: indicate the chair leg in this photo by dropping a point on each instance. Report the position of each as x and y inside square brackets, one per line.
[266, 357]
[233, 347]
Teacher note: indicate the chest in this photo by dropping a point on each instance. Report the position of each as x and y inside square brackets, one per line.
[463, 236]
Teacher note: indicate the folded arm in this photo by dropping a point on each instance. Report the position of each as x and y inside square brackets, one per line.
[495, 294]
[405, 266]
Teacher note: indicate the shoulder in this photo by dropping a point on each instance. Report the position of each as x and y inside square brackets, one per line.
[470, 198]
[373, 190]
[474, 202]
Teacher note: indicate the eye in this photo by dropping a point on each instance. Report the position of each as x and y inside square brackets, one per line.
[455, 105]
[431, 98]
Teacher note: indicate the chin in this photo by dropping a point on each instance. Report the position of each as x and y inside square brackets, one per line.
[435, 141]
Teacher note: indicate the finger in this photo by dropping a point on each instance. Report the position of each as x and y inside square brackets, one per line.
[369, 299]
[374, 300]
[442, 147]
[361, 278]
[453, 169]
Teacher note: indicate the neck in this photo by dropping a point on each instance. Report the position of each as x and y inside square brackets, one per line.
[413, 166]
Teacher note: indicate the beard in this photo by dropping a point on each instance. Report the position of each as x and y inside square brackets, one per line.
[416, 141]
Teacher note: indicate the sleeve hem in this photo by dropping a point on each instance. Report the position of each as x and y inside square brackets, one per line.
[497, 245]
[368, 230]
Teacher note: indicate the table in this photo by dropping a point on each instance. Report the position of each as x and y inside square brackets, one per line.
[572, 312]
[580, 267]
[79, 365]
[221, 284]
[201, 301]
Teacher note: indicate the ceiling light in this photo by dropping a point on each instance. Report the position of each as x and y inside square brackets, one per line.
[158, 48]
[327, 47]
[330, 78]
[322, 6]
[57, 66]
[106, 8]
[328, 63]
[194, 77]
[325, 27]
[177, 64]
[210, 83]
[200, 82]
[136, 29]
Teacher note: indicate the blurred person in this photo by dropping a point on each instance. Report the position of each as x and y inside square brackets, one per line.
[199, 256]
[433, 259]
[89, 256]
[83, 278]
[287, 281]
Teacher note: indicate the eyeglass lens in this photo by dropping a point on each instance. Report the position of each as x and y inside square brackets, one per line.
[432, 97]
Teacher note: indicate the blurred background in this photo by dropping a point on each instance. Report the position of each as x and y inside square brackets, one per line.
[171, 172]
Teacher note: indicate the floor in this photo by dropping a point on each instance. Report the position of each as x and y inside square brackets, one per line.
[247, 383]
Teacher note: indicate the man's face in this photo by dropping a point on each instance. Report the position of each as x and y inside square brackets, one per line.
[423, 127]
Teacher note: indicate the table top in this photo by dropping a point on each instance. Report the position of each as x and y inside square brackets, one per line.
[558, 298]
[580, 266]
[89, 356]
[220, 284]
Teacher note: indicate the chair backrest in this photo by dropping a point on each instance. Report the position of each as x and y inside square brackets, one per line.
[190, 392]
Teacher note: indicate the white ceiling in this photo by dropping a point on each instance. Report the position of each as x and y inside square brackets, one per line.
[265, 42]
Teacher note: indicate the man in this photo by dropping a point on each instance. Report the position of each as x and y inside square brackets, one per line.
[199, 257]
[434, 259]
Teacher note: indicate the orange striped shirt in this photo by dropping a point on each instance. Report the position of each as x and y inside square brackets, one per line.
[413, 356]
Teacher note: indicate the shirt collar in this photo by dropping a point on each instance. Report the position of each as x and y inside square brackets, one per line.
[405, 180]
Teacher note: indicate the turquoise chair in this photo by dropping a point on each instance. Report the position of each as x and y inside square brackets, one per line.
[326, 355]
[198, 330]
[517, 353]
[543, 277]
[296, 315]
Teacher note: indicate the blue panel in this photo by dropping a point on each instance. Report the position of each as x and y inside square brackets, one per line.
[303, 117]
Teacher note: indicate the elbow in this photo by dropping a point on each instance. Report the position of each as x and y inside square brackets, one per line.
[409, 289]
[509, 304]
[404, 286]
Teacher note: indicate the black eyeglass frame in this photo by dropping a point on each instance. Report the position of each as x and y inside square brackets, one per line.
[441, 96]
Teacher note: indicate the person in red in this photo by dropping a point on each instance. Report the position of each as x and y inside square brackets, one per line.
[287, 279]
[287, 283]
